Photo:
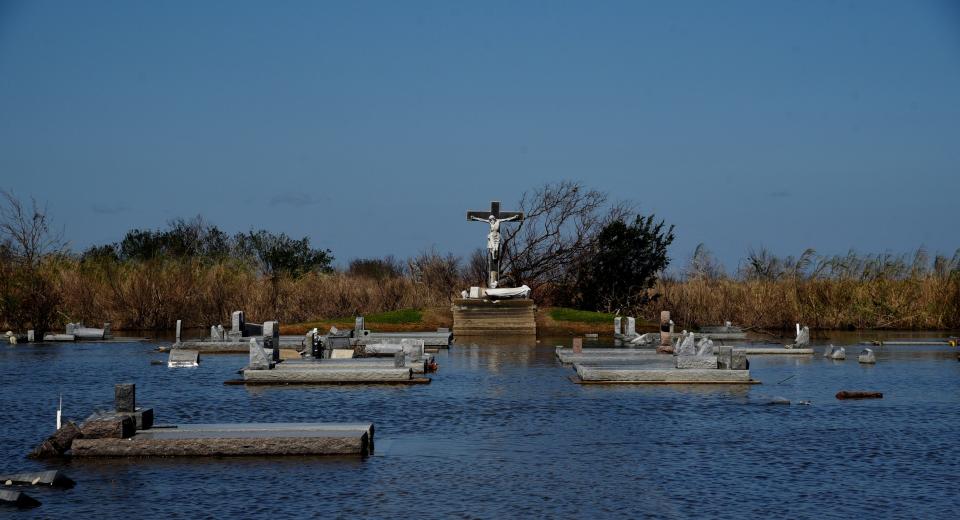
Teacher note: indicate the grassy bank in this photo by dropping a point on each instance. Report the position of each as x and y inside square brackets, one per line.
[400, 320]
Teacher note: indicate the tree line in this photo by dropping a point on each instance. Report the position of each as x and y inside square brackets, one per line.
[575, 247]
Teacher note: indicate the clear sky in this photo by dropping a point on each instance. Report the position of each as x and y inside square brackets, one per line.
[373, 126]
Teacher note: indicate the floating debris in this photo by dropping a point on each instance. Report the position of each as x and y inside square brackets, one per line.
[852, 394]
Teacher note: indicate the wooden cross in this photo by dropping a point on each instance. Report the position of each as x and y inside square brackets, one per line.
[493, 256]
[495, 211]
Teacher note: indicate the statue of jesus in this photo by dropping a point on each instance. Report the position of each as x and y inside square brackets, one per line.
[493, 237]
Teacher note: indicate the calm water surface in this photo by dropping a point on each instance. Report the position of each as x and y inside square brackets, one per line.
[502, 432]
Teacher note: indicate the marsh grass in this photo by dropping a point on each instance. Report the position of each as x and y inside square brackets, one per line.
[852, 291]
[845, 292]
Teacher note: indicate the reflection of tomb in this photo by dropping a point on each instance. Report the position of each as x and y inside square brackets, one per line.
[480, 317]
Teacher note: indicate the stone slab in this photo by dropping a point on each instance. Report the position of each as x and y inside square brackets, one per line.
[326, 376]
[17, 499]
[142, 418]
[366, 427]
[125, 397]
[59, 337]
[569, 356]
[414, 349]
[223, 443]
[108, 425]
[692, 362]
[341, 353]
[739, 360]
[53, 478]
[724, 357]
[327, 364]
[259, 359]
[764, 351]
[635, 375]
[430, 339]
[57, 444]
[650, 361]
[183, 358]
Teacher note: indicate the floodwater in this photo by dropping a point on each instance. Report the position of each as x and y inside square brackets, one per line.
[503, 433]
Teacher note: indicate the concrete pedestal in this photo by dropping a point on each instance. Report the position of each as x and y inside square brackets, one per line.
[475, 317]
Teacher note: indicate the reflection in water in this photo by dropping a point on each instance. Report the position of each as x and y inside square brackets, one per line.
[502, 432]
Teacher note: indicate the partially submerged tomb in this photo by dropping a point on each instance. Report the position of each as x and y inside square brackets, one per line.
[236, 340]
[130, 432]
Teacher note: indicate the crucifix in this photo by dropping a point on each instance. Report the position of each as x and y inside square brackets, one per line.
[494, 218]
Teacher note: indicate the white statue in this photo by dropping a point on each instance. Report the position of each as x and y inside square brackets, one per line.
[493, 237]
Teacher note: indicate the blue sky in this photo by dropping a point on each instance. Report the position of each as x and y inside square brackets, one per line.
[372, 126]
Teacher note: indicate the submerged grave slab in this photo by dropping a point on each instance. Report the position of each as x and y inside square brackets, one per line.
[620, 374]
[232, 440]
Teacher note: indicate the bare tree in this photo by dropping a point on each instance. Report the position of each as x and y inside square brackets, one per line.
[26, 237]
[560, 220]
[27, 230]
[474, 271]
[704, 265]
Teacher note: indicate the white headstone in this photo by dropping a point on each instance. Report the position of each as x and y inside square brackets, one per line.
[178, 330]
[258, 357]
[631, 327]
[687, 345]
[616, 325]
[271, 333]
[839, 353]
[183, 358]
[31, 336]
[413, 348]
[236, 322]
[475, 292]
[358, 327]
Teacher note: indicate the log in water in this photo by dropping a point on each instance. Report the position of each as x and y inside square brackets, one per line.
[853, 394]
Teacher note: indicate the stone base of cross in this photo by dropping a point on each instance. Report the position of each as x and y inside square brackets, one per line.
[494, 218]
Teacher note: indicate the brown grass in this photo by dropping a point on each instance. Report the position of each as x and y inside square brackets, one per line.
[923, 302]
[154, 294]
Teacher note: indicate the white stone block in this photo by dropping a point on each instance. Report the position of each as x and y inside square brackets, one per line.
[696, 361]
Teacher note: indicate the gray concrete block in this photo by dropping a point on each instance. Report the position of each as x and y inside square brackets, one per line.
[237, 322]
[687, 362]
[17, 499]
[739, 360]
[258, 357]
[125, 397]
[183, 358]
[724, 357]
[108, 426]
[142, 418]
